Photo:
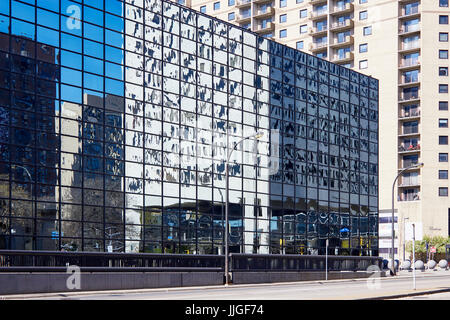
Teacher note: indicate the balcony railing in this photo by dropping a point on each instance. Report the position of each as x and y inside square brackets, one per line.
[409, 63]
[409, 28]
[410, 45]
[318, 45]
[408, 97]
[410, 12]
[409, 197]
[409, 114]
[406, 148]
[410, 130]
[342, 24]
[317, 13]
[243, 3]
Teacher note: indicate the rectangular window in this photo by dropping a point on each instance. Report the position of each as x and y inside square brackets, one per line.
[443, 71]
[443, 174]
[283, 3]
[443, 3]
[303, 28]
[443, 36]
[203, 9]
[443, 19]
[443, 88]
[363, 64]
[443, 105]
[363, 47]
[231, 3]
[216, 5]
[443, 123]
[362, 15]
[362, 1]
[283, 18]
[443, 54]
[367, 31]
[443, 140]
[299, 45]
[231, 16]
[299, 1]
[283, 33]
[443, 192]
[303, 13]
[443, 157]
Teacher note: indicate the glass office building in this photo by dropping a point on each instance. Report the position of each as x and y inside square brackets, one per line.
[114, 123]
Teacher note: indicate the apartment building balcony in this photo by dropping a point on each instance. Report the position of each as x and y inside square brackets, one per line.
[406, 65]
[413, 13]
[409, 47]
[347, 8]
[407, 149]
[409, 184]
[409, 196]
[317, 15]
[408, 133]
[340, 26]
[409, 30]
[260, 14]
[348, 40]
[314, 31]
[409, 115]
[243, 18]
[347, 57]
[243, 3]
[405, 83]
[318, 46]
[408, 98]
[266, 28]
[406, 164]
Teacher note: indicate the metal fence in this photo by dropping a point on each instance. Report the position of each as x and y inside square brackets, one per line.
[282, 262]
[105, 261]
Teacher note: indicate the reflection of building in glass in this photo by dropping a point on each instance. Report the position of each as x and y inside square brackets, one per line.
[141, 115]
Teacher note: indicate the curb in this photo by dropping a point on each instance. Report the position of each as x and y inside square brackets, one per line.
[410, 294]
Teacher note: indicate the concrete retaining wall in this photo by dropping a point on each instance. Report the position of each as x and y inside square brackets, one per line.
[46, 282]
[270, 277]
[19, 283]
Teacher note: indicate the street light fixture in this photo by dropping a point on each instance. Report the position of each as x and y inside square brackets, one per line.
[256, 136]
[415, 166]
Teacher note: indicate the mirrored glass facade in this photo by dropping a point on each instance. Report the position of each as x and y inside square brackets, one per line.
[114, 123]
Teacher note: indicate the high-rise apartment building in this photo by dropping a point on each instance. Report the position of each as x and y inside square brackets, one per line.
[404, 44]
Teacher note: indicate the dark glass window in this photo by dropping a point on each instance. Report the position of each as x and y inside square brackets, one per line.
[443, 140]
[443, 157]
[443, 19]
[443, 71]
[443, 88]
[443, 3]
[443, 191]
[443, 105]
[443, 54]
[443, 174]
[443, 123]
[443, 36]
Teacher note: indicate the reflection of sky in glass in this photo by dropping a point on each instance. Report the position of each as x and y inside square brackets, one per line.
[98, 43]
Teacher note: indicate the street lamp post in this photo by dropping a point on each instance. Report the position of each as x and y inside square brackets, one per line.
[418, 165]
[404, 237]
[256, 136]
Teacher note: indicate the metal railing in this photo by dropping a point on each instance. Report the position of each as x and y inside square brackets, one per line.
[287, 262]
[12, 260]
[56, 261]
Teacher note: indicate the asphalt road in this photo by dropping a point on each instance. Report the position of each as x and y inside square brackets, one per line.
[319, 290]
